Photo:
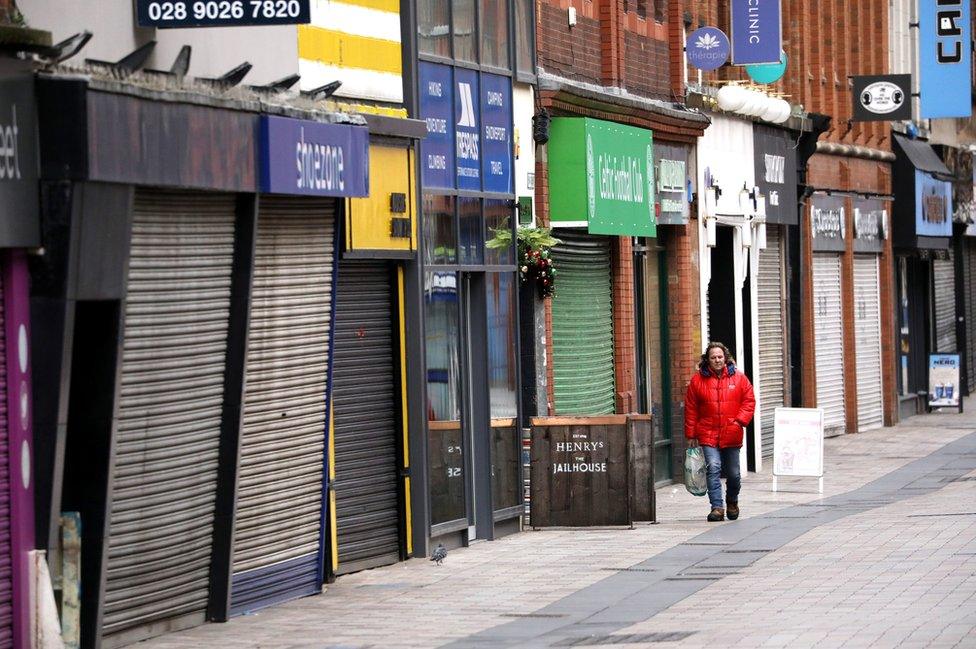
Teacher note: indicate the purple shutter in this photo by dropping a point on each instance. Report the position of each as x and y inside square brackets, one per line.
[6, 558]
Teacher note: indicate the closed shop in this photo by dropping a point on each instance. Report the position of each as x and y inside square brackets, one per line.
[773, 365]
[582, 326]
[870, 226]
[944, 307]
[828, 222]
[169, 413]
[969, 282]
[366, 396]
[278, 534]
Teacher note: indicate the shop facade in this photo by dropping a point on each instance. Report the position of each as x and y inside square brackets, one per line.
[198, 358]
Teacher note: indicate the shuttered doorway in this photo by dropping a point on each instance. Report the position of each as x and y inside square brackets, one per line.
[366, 421]
[169, 414]
[828, 324]
[278, 529]
[6, 549]
[944, 281]
[772, 319]
[867, 341]
[969, 281]
[582, 326]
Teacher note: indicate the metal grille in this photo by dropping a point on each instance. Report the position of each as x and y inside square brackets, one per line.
[366, 422]
[867, 341]
[6, 549]
[828, 324]
[277, 537]
[165, 472]
[944, 274]
[582, 326]
[772, 318]
[970, 301]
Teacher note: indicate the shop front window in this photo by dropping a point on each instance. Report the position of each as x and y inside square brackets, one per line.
[524, 44]
[494, 33]
[472, 231]
[498, 219]
[503, 388]
[445, 442]
[440, 231]
[465, 43]
[434, 28]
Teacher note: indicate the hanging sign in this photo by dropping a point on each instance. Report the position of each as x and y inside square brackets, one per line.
[221, 13]
[768, 72]
[757, 35]
[707, 48]
[944, 380]
[882, 97]
[313, 159]
[945, 58]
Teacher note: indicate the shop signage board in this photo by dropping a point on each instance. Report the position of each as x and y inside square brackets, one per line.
[870, 225]
[221, 13]
[496, 130]
[775, 162]
[945, 58]
[671, 169]
[933, 206]
[827, 224]
[798, 435]
[467, 134]
[707, 48]
[19, 227]
[604, 173]
[309, 158]
[757, 35]
[944, 383]
[884, 97]
[437, 109]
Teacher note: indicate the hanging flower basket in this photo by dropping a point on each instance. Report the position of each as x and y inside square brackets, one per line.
[534, 261]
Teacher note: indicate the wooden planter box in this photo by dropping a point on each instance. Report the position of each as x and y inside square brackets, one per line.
[592, 471]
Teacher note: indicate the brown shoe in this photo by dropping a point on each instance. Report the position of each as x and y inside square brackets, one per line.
[716, 514]
[733, 511]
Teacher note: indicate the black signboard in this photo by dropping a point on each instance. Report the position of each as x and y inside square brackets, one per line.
[885, 97]
[827, 223]
[775, 161]
[221, 13]
[870, 225]
[19, 225]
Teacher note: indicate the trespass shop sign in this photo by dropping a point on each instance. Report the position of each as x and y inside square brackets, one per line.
[602, 174]
[882, 97]
[945, 58]
[221, 13]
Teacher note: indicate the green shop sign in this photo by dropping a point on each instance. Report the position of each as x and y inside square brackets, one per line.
[601, 176]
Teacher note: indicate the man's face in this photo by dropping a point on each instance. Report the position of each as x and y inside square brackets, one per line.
[716, 359]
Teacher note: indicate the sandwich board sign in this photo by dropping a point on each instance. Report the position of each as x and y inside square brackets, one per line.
[798, 444]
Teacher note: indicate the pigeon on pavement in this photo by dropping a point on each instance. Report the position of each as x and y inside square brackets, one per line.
[440, 553]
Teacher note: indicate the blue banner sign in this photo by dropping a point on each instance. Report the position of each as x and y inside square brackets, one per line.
[933, 206]
[496, 133]
[467, 134]
[437, 109]
[313, 159]
[945, 57]
[757, 34]
[707, 48]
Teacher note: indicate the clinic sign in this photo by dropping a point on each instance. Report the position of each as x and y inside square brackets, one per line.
[469, 129]
[757, 35]
[945, 58]
[604, 173]
[307, 158]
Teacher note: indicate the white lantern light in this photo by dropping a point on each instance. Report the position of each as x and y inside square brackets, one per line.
[772, 111]
[784, 111]
[731, 98]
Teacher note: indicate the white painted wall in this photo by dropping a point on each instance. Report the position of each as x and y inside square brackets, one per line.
[523, 106]
[273, 51]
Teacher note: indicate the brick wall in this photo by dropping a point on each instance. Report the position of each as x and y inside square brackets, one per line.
[647, 66]
[571, 52]
[624, 325]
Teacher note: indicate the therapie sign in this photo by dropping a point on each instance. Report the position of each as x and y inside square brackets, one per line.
[313, 159]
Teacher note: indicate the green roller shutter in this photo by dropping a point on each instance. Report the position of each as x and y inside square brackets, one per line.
[582, 326]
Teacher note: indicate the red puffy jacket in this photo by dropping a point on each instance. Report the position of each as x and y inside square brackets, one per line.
[717, 407]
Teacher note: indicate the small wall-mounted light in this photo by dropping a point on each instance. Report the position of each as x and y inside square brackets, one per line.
[572, 16]
[710, 231]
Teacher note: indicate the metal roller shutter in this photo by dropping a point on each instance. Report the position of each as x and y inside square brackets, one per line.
[970, 299]
[172, 386]
[944, 279]
[582, 326]
[365, 397]
[772, 317]
[867, 340]
[6, 549]
[828, 324]
[278, 530]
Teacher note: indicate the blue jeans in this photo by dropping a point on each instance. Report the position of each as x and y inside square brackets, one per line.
[715, 460]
